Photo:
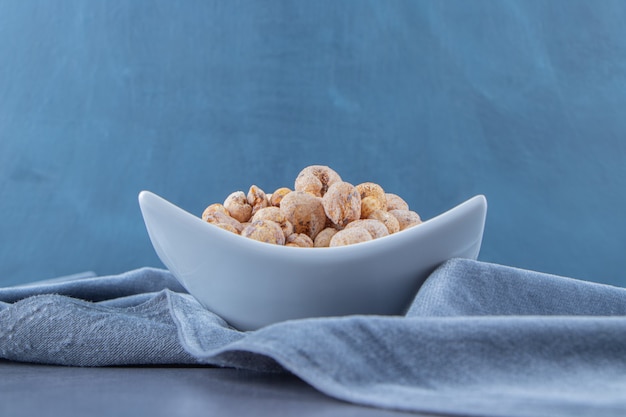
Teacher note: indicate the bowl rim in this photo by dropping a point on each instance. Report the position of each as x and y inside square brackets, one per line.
[405, 236]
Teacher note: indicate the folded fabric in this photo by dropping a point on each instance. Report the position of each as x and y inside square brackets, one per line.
[479, 339]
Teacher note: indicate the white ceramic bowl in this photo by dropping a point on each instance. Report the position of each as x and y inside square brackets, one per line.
[253, 284]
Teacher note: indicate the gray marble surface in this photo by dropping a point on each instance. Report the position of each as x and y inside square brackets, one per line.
[41, 390]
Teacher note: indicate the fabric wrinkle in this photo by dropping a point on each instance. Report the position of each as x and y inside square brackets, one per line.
[479, 338]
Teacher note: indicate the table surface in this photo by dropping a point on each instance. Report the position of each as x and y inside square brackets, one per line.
[42, 390]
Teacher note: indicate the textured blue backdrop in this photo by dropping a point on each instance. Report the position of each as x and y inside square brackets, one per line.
[436, 101]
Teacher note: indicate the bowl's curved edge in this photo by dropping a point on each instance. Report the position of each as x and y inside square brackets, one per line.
[163, 220]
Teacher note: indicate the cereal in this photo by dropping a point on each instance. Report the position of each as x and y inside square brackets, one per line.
[372, 198]
[257, 199]
[227, 226]
[322, 240]
[274, 214]
[406, 218]
[265, 231]
[304, 211]
[342, 203]
[316, 179]
[369, 205]
[321, 211]
[238, 206]
[386, 218]
[350, 237]
[374, 227]
[309, 184]
[215, 207]
[218, 217]
[395, 202]
[278, 195]
[299, 240]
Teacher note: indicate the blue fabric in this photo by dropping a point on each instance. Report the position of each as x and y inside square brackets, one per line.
[479, 339]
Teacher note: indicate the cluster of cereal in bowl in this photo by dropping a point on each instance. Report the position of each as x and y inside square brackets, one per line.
[321, 211]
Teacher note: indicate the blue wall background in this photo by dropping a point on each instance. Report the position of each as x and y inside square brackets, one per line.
[436, 101]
